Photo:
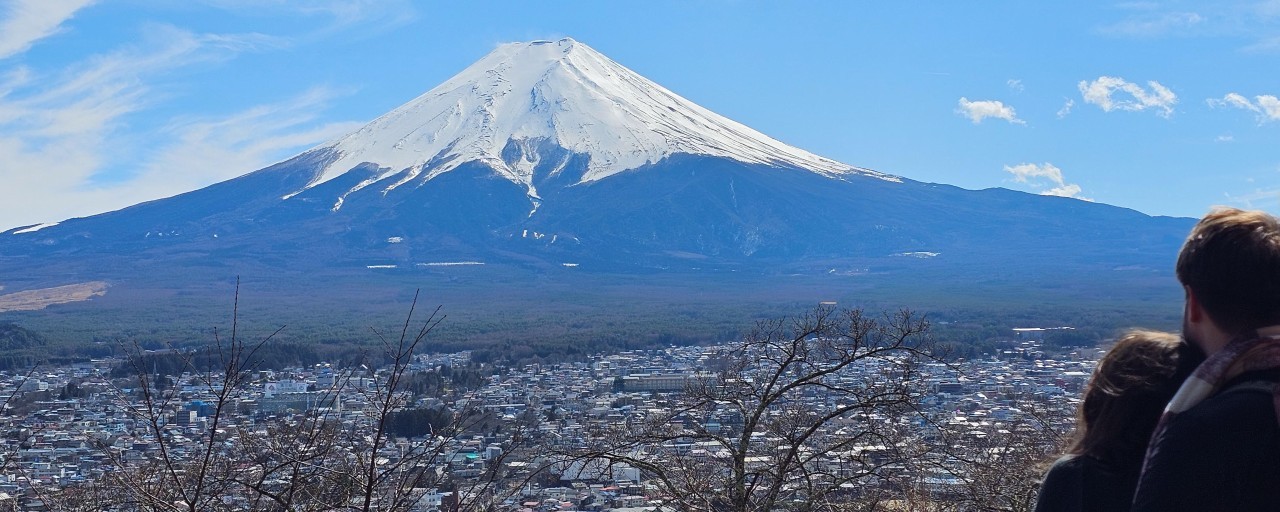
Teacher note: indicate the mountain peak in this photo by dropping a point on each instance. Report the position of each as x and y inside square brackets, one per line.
[564, 42]
[560, 92]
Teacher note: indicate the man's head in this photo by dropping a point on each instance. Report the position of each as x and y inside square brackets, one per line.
[1230, 267]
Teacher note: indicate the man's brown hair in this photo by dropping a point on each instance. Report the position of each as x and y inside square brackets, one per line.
[1231, 263]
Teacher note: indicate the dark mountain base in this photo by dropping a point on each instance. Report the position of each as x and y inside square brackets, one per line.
[685, 250]
[568, 312]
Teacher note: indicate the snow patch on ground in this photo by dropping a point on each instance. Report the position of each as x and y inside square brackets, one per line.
[36, 227]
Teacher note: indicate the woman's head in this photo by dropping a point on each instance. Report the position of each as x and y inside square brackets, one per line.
[1127, 393]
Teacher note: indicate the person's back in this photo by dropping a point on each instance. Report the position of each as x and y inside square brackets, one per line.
[1082, 483]
[1218, 444]
[1221, 454]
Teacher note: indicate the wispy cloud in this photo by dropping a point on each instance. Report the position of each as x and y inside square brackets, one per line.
[89, 96]
[976, 111]
[354, 11]
[23, 22]
[1257, 198]
[1266, 106]
[1066, 108]
[1264, 45]
[1253, 21]
[92, 133]
[202, 151]
[1112, 93]
[1155, 24]
[1046, 177]
[212, 150]
[382, 14]
[61, 133]
[1015, 85]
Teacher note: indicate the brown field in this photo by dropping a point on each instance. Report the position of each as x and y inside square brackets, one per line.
[31, 300]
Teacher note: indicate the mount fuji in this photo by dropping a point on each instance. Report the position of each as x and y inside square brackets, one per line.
[548, 156]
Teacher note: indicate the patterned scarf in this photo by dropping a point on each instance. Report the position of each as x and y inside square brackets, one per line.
[1253, 351]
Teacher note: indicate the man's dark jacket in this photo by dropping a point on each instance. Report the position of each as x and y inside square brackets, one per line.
[1223, 454]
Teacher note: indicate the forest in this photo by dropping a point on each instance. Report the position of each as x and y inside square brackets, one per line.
[548, 335]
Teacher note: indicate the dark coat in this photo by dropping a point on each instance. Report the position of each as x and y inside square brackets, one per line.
[1222, 454]
[1080, 483]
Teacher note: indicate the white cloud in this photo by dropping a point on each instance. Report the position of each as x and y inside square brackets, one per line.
[1266, 106]
[89, 96]
[1225, 138]
[202, 152]
[1068, 190]
[1270, 106]
[207, 151]
[1233, 100]
[1103, 93]
[976, 111]
[62, 136]
[1015, 85]
[1028, 173]
[1047, 177]
[24, 22]
[1066, 108]
[92, 135]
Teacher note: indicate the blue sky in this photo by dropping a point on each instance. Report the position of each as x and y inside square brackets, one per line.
[1168, 108]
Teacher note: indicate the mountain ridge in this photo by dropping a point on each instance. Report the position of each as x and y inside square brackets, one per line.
[562, 92]
[535, 198]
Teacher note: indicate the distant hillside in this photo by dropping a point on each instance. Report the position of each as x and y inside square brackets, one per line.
[13, 337]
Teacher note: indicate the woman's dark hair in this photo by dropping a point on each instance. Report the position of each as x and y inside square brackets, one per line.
[1128, 392]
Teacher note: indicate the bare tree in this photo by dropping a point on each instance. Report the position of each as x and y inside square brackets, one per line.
[802, 414]
[194, 475]
[988, 464]
[336, 453]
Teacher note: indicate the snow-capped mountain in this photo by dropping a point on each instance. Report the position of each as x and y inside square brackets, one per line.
[548, 155]
[521, 96]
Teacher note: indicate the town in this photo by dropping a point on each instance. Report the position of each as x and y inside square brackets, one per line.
[524, 439]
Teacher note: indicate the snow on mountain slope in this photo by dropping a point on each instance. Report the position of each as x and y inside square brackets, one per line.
[562, 92]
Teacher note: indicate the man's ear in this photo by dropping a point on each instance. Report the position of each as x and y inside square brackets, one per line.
[1194, 311]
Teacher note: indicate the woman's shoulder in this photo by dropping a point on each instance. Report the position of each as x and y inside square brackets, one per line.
[1067, 472]
[1086, 471]
[1072, 462]
[1061, 490]
[1076, 483]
